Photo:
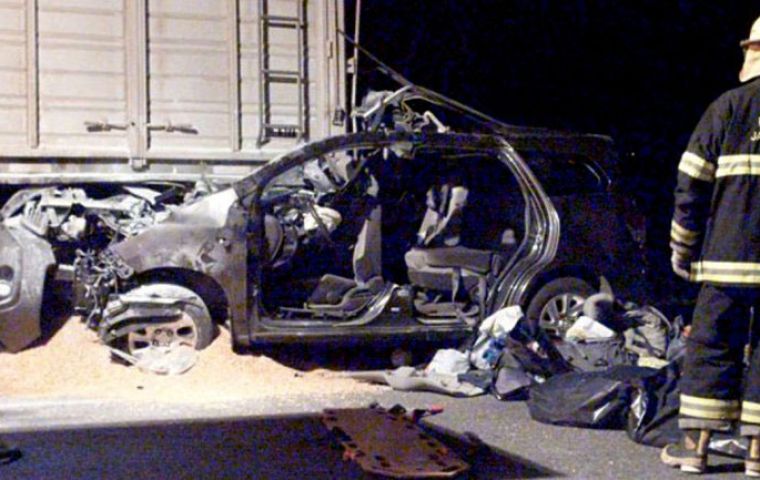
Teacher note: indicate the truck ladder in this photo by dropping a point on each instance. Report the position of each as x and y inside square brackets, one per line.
[268, 76]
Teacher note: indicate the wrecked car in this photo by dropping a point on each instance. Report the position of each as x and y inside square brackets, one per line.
[405, 230]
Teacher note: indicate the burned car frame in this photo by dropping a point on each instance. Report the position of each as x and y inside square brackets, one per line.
[224, 253]
[405, 230]
[390, 308]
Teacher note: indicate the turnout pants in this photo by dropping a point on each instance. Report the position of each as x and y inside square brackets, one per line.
[715, 391]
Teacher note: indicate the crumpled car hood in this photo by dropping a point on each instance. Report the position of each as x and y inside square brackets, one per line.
[178, 240]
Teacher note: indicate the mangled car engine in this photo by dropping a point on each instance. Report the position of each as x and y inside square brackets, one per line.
[79, 224]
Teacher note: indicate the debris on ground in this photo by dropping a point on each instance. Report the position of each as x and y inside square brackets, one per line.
[613, 369]
[505, 342]
[411, 379]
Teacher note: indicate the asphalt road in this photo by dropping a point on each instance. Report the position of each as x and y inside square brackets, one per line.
[284, 438]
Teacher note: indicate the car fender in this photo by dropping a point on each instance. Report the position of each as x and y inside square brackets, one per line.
[194, 237]
[24, 262]
[207, 237]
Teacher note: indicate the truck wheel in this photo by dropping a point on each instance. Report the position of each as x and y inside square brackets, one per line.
[558, 304]
[194, 328]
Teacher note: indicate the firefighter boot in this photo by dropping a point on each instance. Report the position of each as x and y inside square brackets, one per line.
[752, 463]
[690, 454]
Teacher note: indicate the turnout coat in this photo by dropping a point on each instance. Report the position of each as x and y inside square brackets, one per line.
[716, 223]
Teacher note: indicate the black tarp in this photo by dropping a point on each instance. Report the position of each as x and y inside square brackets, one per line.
[587, 399]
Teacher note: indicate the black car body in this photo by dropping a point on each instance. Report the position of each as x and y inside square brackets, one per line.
[601, 245]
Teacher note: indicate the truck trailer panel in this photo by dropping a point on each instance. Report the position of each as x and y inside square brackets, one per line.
[165, 86]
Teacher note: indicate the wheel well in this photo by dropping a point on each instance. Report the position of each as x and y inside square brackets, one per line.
[585, 274]
[206, 287]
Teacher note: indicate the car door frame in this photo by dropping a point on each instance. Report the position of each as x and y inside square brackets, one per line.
[536, 251]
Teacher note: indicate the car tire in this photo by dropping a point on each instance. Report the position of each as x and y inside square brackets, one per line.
[557, 304]
[195, 326]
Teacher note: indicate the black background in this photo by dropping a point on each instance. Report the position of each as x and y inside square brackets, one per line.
[642, 71]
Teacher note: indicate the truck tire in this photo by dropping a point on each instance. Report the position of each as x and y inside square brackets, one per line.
[558, 304]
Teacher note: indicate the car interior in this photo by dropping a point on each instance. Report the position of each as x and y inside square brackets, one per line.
[421, 230]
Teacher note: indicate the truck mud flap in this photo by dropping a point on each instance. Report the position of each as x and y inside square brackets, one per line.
[24, 262]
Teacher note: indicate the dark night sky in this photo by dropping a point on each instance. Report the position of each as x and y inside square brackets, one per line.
[642, 71]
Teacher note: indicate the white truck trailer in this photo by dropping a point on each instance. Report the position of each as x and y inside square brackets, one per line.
[103, 90]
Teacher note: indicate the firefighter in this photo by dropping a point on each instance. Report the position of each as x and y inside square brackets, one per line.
[715, 240]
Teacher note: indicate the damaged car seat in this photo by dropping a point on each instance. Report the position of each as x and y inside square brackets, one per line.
[340, 296]
[439, 262]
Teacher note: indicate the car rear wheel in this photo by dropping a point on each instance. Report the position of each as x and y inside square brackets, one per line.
[558, 304]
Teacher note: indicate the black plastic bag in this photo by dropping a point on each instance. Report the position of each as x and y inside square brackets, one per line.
[586, 399]
[596, 355]
[653, 417]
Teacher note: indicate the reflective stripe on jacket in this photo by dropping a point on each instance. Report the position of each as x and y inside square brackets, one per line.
[716, 223]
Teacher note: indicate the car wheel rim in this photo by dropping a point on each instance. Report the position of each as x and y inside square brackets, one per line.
[560, 313]
[165, 336]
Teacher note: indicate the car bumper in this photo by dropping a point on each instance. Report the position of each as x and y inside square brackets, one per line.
[24, 262]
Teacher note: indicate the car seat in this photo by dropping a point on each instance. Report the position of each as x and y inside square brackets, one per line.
[439, 262]
[341, 296]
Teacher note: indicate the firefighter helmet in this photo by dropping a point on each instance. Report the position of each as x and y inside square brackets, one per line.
[751, 67]
[754, 35]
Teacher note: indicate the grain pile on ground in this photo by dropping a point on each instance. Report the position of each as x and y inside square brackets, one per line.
[74, 364]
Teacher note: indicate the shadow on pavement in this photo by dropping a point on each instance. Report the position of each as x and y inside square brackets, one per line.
[350, 357]
[736, 466]
[281, 447]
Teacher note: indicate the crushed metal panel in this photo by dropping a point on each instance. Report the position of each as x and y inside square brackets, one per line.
[24, 263]
[391, 444]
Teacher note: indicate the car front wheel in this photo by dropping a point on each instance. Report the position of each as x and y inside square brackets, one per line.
[192, 328]
[558, 304]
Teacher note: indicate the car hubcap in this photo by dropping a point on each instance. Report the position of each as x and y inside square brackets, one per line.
[164, 336]
[560, 313]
